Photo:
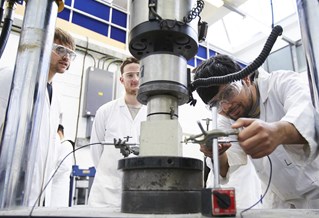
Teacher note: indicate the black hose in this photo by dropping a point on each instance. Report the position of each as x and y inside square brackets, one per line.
[7, 25]
[1, 9]
[195, 12]
[5, 32]
[211, 81]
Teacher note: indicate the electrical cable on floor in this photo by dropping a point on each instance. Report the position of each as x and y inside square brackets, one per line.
[263, 196]
[57, 168]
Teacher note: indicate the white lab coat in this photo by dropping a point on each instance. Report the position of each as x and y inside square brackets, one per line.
[47, 150]
[244, 179]
[61, 180]
[295, 168]
[112, 120]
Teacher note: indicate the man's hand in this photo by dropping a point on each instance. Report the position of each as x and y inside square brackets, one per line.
[223, 160]
[259, 138]
[207, 150]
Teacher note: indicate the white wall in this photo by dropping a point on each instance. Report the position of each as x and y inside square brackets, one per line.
[9, 55]
[188, 117]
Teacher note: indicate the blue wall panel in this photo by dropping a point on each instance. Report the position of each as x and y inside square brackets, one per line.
[198, 62]
[118, 34]
[90, 23]
[202, 52]
[119, 18]
[94, 8]
[191, 62]
[67, 2]
[211, 53]
[65, 14]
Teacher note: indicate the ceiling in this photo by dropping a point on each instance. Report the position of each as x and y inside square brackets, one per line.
[241, 27]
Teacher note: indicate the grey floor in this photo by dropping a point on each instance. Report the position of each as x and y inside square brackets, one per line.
[84, 211]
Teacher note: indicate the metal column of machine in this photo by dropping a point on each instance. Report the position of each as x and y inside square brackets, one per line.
[160, 180]
[26, 100]
[308, 12]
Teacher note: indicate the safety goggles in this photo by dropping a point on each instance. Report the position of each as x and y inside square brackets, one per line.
[223, 99]
[62, 51]
[131, 75]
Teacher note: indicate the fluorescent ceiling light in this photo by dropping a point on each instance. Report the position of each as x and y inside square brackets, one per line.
[216, 3]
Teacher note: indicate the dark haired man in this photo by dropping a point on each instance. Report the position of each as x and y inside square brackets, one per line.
[277, 119]
[49, 143]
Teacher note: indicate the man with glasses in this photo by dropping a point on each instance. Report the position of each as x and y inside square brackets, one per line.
[49, 147]
[117, 119]
[277, 120]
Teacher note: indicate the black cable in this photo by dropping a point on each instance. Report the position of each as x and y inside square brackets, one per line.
[211, 81]
[263, 196]
[41, 192]
[272, 14]
[155, 13]
[195, 12]
[7, 26]
[1, 9]
[163, 113]
[56, 170]
[170, 24]
[115, 143]
[73, 148]
[270, 163]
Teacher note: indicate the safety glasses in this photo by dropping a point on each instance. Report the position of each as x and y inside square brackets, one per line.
[62, 51]
[223, 99]
[131, 75]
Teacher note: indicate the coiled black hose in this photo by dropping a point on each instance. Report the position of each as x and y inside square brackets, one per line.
[207, 82]
[195, 12]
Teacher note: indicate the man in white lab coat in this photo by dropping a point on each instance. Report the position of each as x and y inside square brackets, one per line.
[277, 120]
[118, 119]
[49, 143]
